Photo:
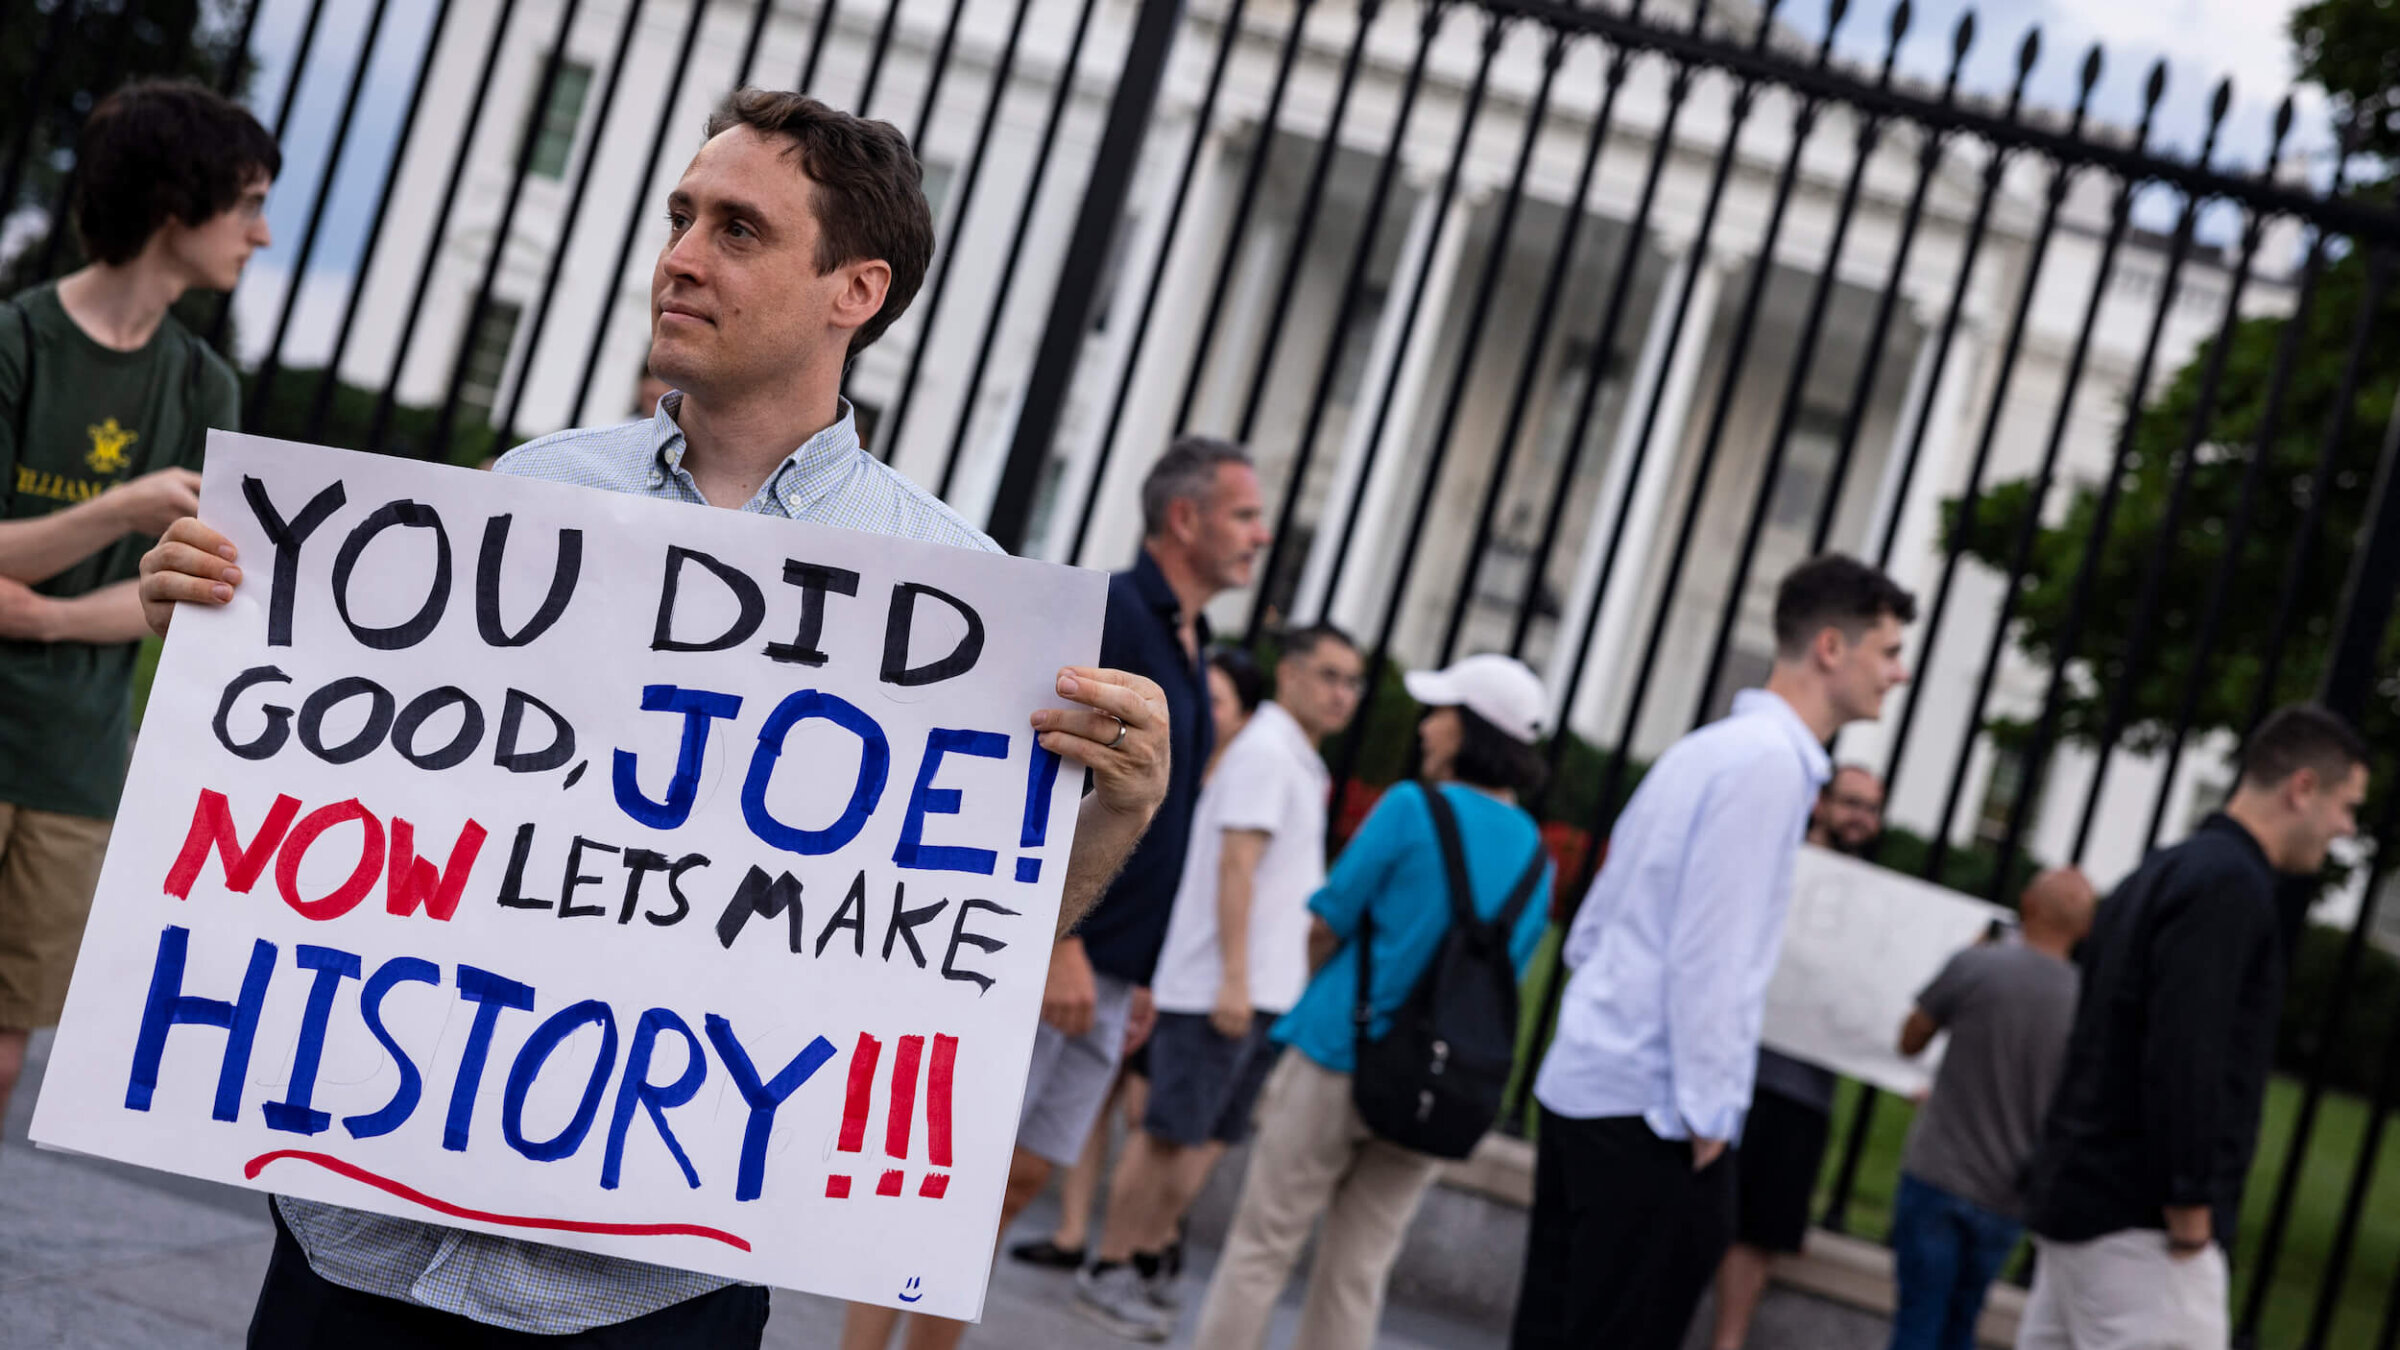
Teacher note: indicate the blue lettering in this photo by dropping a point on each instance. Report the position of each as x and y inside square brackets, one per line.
[698, 707]
[490, 993]
[168, 1006]
[536, 1053]
[874, 766]
[655, 1098]
[412, 1083]
[928, 800]
[293, 1113]
[762, 1098]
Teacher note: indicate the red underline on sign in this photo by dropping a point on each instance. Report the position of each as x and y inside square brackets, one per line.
[252, 1168]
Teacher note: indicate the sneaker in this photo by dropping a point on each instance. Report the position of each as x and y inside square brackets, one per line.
[1048, 1255]
[1112, 1296]
[1164, 1291]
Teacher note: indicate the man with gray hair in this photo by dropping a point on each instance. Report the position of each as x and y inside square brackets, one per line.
[1203, 524]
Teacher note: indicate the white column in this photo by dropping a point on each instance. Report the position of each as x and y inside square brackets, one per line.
[1309, 603]
[1143, 260]
[1623, 601]
[1365, 575]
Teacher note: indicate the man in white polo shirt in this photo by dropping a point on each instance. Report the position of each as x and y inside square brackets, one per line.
[1235, 957]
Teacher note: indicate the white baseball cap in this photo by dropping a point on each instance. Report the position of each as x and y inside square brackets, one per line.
[1499, 689]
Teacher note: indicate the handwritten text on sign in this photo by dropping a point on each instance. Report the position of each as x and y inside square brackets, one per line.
[664, 882]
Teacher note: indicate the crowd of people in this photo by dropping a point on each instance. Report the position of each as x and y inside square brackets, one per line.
[1213, 983]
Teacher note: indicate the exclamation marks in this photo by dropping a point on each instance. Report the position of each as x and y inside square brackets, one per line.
[908, 1056]
[1040, 777]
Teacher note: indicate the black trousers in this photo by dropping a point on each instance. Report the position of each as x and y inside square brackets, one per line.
[299, 1309]
[1625, 1237]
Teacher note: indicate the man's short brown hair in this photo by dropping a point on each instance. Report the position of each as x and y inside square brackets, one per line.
[161, 150]
[869, 193]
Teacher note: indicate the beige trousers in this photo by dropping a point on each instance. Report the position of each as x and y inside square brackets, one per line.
[1312, 1155]
[2124, 1291]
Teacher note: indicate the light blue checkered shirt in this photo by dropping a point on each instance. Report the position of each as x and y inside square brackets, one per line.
[527, 1286]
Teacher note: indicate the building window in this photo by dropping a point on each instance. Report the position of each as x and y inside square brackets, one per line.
[1559, 414]
[554, 132]
[936, 180]
[1807, 470]
[1358, 344]
[487, 358]
[2001, 791]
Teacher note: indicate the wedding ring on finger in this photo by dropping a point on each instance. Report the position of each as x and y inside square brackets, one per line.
[1121, 730]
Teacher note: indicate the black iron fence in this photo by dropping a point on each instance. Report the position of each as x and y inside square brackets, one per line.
[1557, 330]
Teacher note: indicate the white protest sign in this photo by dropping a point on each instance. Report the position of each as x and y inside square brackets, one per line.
[671, 883]
[1861, 942]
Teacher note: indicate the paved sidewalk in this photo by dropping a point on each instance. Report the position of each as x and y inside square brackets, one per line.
[99, 1256]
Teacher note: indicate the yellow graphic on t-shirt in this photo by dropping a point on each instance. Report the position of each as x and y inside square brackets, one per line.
[108, 446]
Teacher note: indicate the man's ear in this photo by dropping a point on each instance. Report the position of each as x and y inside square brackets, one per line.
[1830, 646]
[1183, 518]
[861, 296]
[2301, 786]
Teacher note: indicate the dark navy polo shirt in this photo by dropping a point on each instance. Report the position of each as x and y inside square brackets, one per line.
[1123, 934]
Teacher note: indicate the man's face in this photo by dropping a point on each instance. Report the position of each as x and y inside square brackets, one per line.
[736, 301]
[212, 253]
[2325, 811]
[1321, 689]
[1849, 812]
[1228, 528]
[1866, 669]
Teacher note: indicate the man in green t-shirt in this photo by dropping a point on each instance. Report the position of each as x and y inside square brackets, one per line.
[105, 403]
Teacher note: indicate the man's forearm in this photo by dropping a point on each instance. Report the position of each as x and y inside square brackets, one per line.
[108, 615]
[44, 546]
[1104, 839]
[1234, 885]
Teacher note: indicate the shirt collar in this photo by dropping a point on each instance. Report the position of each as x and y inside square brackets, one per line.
[2220, 823]
[806, 474]
[1276, 720]
[1150, 581]
[1768, 704]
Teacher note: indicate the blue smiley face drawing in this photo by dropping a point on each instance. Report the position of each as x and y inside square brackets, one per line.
[911, 1292]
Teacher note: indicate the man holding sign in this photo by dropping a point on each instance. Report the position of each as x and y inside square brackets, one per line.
[796, 237]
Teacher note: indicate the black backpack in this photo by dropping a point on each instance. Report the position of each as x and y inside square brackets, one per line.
[1434, 1082]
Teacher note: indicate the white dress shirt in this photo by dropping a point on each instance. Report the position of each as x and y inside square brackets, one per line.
[1673, 947]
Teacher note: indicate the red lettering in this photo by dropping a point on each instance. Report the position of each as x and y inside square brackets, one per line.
[362, 879]
[413, 881]
[212, 824]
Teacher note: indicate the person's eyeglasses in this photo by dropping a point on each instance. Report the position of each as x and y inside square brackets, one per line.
[1356, 684]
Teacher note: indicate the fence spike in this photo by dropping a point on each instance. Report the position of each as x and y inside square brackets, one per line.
[1899, 22]
[2028, 52]
[1962, 37]
[2283, 123]
[2222, 100]
[2155, 87]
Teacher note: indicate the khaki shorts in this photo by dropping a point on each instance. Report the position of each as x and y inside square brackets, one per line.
[49, 865]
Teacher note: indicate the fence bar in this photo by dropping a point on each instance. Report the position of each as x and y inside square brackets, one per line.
[268, 367]
[1096, 224]
[222, 324]
[45, 63]
[1016, 248]
[1612, 319]
[2329, 450]
[2104, 515]
[2362, 1179]
[1270, 126]
[947, 254]
[2153, 587]
[760, 11]
[1493, 30]
[120, 55]
[1854, 418]
[444, 424]
[229, 75]
[1795, 386]
[883, 49]
[637, 212]
[320, 405]
[626, 31]
[1139, 338]
[1312, 200]
[2029, 528]
[2270, 427]
[2056, 195]
[940, 68]
[1354, 285]
[816, 44]
[381, 425]
[1479, 317]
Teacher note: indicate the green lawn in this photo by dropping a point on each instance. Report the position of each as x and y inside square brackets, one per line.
[2308, 1242]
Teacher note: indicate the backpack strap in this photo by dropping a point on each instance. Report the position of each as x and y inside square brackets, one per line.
[1462, 891]
[24, 420]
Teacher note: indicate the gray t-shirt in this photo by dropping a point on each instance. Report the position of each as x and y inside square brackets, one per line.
[2008, 1009]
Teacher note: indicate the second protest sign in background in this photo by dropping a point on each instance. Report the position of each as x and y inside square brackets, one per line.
[676, 884]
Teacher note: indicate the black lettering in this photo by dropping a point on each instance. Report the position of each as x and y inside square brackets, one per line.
[905, 923]
[576, 876]
[764, 898]
[814, 581]
[437, 596]
[512, 887]
[424, 706]
[279, 720]
[325, 700]
[512, 717]
[488, 565]
[675, 890]
[902, 619]
[639, 863]
[745, 591]
[287, 539]
[959, 936]
[854, 906]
